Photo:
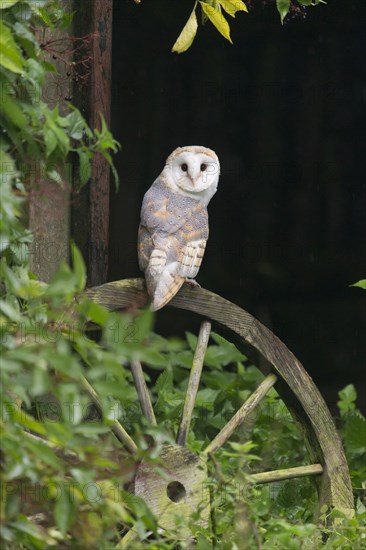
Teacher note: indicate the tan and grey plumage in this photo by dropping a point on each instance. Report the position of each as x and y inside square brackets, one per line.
[174, 221]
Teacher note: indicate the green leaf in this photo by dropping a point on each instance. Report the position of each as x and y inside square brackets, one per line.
[360, 284]
[283, 7]
[164, 382]
[10, 55]
[4, 4]
[186, 37]
[43, 14]
[85, 169]
[79, 267]
[192, 340]
[92, 430]
[206, 398]
[23, 32]
[25, 419]
[33, 531]
[47, 454]
[232, 6]
[13, 112]
[62, 283]
[54, 175]
[64, 510]
[76, 124]
[218, 20]
[9, 311]
[50, 141]
[97, 313]
[153, 357]
[347, 398]
[52, 126]
[143, 324]
[115, 176]
[355, 432]
[360, 507]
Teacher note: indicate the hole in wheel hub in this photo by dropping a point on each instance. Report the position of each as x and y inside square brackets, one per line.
[176, 491]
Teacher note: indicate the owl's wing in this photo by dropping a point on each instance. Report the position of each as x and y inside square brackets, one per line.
[171, 243]
[164, 210]
[144, 246]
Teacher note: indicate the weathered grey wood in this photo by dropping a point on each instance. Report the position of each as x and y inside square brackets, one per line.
[295, 386]
[240, 415]
[49, 202]
[120, 294]
[193, 382]
[287, 473]
[142, 391]
[116, 426]
[90, 207]
[181, 468]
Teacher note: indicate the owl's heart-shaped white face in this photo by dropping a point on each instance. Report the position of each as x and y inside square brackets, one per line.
[195, 170]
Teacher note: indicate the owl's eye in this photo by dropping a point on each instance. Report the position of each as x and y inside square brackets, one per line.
[184, 167]
[203, 167]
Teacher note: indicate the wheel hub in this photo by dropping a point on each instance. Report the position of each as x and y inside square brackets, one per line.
[176, 486]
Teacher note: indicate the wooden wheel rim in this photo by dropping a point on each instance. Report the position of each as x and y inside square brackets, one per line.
[294, 385]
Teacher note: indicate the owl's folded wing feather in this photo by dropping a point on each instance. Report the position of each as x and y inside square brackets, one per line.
[144, 247]
[190, 258]
[171, 244]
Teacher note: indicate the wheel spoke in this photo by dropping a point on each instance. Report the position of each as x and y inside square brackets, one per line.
[193, 383]
[142, 391]
[115, 426]
[241, 414]
[287, 473]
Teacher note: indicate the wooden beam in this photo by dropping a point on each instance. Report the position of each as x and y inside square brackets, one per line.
[93, 97]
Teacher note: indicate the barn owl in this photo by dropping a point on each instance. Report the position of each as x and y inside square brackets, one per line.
[174, 222]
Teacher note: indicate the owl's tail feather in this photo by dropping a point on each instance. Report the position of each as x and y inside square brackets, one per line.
[167, 287]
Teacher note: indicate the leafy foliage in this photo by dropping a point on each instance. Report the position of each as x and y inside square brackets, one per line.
[64, 476]
[277, 515]
[216, 12]
[70, 480]
[32, 132]
[76, 486]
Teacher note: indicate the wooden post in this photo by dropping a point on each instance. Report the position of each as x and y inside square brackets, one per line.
[90, 213]
[49, 202]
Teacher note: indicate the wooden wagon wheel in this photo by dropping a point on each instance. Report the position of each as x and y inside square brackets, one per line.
[179, 491]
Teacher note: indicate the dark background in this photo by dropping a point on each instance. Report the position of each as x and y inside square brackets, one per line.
[283, 110]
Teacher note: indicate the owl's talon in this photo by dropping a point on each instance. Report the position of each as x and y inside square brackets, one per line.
[192, 282]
